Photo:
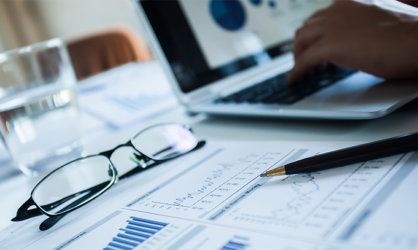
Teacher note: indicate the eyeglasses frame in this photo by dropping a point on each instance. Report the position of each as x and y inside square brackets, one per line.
[24, 213]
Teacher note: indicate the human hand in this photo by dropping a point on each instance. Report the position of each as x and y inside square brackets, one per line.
[359, 36]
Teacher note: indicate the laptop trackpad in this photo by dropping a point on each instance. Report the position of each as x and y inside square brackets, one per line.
[360, 92]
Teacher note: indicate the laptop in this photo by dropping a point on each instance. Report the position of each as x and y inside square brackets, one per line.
[230, 57]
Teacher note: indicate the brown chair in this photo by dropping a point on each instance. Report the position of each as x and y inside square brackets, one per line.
[104, 50]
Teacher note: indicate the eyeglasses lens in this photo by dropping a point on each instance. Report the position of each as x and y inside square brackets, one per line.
[72, 185]
[165, 141]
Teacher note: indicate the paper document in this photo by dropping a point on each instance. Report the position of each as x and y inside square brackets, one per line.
[127, 94]
[214, 199]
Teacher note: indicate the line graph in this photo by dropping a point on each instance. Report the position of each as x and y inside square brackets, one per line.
[312, 203]
[214, 180]
[303, 190]
[202, 189]
[216, 174]
[227, 189]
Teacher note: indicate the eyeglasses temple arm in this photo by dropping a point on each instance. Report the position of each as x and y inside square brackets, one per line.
[199, 145]
[51, 221]
[24, 212]
[65, 199]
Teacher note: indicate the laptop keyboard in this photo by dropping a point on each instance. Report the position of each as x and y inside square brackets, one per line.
[277, 91]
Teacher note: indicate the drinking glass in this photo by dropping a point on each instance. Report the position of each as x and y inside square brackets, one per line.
[39, 117]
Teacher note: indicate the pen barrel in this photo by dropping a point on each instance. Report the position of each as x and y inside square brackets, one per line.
[352, 155]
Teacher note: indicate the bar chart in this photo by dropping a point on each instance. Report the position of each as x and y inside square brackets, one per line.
[136, 232]
[237, 243]
[205, 236]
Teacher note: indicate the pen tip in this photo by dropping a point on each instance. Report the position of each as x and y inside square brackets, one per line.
[263, 175]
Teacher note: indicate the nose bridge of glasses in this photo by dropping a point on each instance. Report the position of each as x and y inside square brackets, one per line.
[109, 153]
[125, 157]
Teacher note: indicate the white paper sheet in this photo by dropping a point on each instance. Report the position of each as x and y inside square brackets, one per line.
[129, 94]
[214, 199]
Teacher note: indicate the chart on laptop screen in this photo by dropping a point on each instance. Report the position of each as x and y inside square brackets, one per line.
[229, 30]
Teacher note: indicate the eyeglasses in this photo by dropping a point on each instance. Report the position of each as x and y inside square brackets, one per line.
[80, 181]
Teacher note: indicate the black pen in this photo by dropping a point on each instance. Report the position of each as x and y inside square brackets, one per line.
[365, 152]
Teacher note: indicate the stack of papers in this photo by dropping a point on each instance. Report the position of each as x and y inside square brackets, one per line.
[214, 199]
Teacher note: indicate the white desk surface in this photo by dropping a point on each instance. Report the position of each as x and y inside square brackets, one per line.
[16, 190]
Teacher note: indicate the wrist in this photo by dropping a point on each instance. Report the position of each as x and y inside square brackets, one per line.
[413, 44]
[407, 40]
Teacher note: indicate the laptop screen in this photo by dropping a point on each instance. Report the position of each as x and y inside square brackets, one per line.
[207, 40]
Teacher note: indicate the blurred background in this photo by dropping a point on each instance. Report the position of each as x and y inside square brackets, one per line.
[99, 35]
[24, 22]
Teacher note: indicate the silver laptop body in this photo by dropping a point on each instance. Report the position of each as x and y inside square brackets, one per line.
[358, 96]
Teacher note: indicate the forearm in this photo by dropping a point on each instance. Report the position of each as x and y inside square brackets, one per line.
[414, 45]
[407, 45]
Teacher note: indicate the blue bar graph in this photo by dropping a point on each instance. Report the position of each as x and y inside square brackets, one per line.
[237, 243]
[135, 233]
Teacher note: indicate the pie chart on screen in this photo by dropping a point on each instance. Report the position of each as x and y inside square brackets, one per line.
[256, 2]
[228, 14]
